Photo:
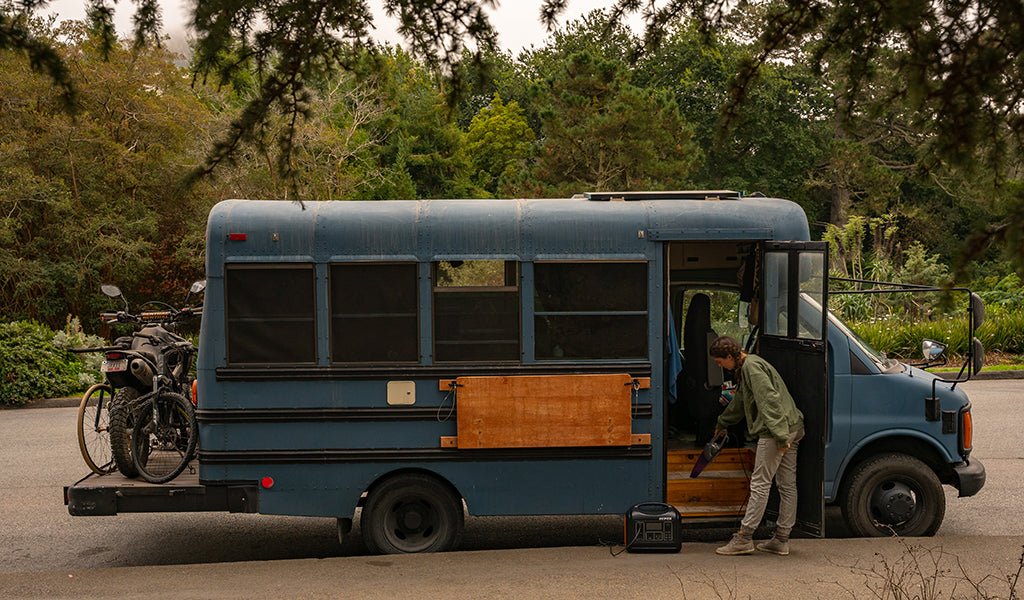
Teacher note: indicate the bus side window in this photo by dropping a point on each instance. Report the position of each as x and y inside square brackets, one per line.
[374, 313]
[476, 311]
[271, 314]
[590, 310]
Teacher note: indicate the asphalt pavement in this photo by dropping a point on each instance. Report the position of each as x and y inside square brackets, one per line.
[45, 553]
[968, 567]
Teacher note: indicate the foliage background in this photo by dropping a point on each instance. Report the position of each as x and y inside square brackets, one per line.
[101, 196]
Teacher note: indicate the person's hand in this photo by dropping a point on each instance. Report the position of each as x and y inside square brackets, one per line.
[783, 448]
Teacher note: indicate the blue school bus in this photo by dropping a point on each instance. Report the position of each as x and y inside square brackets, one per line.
[425, 360]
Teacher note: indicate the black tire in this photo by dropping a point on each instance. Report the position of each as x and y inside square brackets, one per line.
[411, 513]
[162, 450]
[893, 495]
[94, 428]
[121, 423]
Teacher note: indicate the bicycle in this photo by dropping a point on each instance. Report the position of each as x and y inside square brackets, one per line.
[93, 422]
[94, 428]
[165, 434]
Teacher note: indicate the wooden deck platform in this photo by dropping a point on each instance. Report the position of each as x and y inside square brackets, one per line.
[721, 490]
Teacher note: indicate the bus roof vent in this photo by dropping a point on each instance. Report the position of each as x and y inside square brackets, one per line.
[677, 195]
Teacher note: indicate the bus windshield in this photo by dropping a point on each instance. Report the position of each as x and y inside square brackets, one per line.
[884, 363]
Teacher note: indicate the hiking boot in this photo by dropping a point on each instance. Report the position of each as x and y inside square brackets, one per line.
[741, 543]
[775, 546]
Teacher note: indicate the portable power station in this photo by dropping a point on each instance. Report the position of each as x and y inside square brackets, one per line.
[652, 527]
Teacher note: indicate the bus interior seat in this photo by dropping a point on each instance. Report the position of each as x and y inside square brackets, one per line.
[702, 387]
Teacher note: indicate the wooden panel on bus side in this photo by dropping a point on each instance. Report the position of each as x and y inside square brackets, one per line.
[544, 411]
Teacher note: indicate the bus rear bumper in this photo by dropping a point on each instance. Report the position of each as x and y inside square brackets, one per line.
[970, 477]
[112, 494]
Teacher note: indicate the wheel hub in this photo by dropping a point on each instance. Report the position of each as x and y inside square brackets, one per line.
[411, 525]
[411, 520]
[894, 502]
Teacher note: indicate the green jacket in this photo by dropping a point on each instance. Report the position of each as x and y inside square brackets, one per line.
[761, 396]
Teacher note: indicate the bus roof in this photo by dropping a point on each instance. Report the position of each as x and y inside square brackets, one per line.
[606, 227]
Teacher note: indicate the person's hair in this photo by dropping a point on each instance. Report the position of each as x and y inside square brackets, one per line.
[726, 347]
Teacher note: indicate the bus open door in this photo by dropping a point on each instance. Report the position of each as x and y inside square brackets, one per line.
[792, 337]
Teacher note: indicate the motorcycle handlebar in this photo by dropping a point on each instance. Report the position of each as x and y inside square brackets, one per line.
[152, 316]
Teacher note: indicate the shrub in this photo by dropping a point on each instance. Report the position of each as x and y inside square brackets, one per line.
[1002, 331]
[89, 363]
[33, 366]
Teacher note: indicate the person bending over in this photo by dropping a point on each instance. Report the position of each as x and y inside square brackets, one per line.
[773, 418]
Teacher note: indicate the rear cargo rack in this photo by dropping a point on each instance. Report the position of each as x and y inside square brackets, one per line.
[105, 495]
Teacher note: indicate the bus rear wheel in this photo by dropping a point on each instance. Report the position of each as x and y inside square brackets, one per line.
[411, 513]
[894, 494]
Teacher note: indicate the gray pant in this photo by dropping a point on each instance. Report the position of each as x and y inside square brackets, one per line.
[770, 464]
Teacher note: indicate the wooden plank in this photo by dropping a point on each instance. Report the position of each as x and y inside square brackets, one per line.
[449, 441]
[542, 411]
[690, 512]
[641, 439]
[708, 491]
[444, 385]
[728, 459]
[706, 474]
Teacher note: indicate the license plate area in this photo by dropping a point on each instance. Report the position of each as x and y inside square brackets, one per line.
[114, 366]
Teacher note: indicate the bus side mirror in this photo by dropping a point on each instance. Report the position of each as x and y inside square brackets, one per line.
[977, 310]
[932, 350]
[977, 355]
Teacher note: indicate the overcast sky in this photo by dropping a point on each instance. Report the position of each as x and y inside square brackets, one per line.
[517, 21]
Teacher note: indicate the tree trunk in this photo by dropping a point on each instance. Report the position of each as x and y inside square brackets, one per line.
[840, 203]
[840, 182]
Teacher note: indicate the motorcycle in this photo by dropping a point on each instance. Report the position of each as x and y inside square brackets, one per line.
[150, 371]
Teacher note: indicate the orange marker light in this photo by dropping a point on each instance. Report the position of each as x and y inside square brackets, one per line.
[967, 428]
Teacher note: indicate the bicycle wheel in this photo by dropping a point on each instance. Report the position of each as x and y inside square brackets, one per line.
[94, 428]
[162, 449]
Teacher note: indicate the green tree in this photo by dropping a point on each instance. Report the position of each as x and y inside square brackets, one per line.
[420, 151]
[594, 140]
[774, 144]
[957, 62]
[95, 197]
[499, 142]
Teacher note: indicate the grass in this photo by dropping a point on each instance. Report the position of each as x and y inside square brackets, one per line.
[1005, 367]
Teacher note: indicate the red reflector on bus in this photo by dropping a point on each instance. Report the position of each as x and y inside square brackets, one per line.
[267, 482]
[237, 237]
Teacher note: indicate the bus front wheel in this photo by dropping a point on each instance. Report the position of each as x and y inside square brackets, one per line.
[893, 494]
[411, 513]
